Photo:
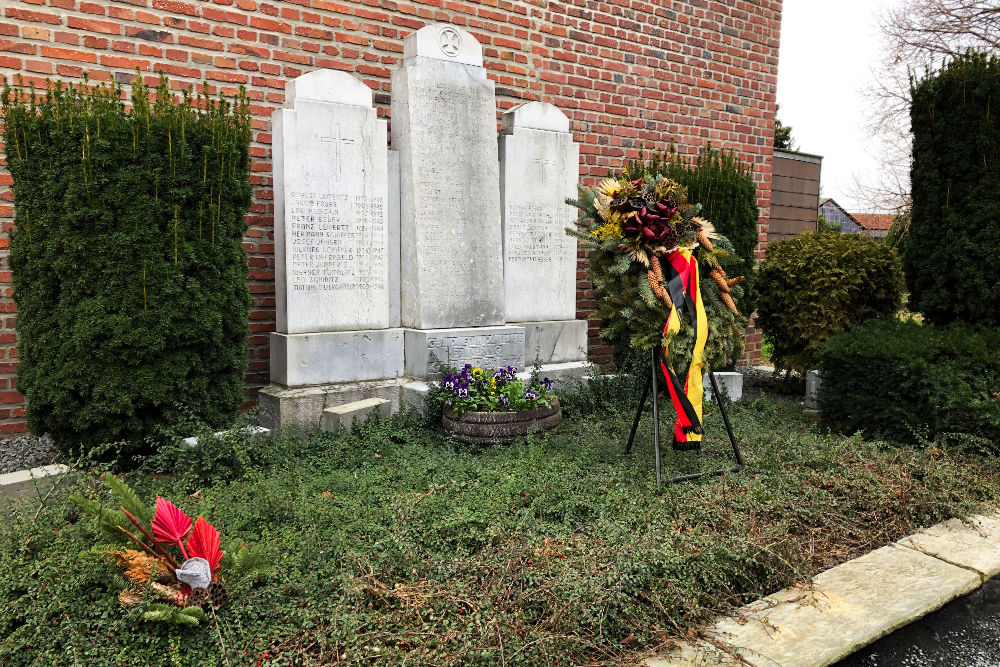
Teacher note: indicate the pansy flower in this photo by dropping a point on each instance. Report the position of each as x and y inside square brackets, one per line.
[530, 395]
[504, 402]
[547, 384]
[463, 392]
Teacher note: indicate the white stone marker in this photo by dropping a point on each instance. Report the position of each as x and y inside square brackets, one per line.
[331, 227]
[539, 169]
[335, 251]
[444, 127]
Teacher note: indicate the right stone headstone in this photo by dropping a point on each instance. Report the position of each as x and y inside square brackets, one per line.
[539, 170]
[444, 127]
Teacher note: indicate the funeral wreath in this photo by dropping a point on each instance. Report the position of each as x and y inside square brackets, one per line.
[649, 248]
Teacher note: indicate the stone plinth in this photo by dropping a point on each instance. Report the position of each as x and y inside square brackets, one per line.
[340, 356]
[555, 341]
[301, 408]
[444, 127]
[488, 347]
[539, 169]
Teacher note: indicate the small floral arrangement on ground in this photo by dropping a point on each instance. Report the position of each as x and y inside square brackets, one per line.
[170, 563]
[500, 390]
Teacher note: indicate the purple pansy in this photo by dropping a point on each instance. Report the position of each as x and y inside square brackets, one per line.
[547, 384]
[530, 395]
[504, 401]
[463, 392]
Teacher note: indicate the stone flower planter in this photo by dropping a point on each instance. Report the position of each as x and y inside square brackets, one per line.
[497, 427]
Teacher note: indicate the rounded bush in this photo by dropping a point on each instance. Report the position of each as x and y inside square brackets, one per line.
[907, 381]
[816, 285]
[128, 266]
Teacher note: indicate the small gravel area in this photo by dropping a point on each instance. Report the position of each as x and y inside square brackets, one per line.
[27, 451]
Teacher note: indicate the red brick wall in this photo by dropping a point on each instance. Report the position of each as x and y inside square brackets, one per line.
[629, 73]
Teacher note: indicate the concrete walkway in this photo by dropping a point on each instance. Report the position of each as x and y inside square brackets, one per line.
[849, 606]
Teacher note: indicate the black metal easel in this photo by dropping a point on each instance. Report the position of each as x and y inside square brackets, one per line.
[652, 382]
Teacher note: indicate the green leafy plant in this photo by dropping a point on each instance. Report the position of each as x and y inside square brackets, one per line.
[492, 390]
[128, 266]
[913, 383]
[951, 256]
[816, 285]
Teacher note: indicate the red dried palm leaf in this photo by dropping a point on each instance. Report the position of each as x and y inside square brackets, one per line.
[170, 525]
[205, 543]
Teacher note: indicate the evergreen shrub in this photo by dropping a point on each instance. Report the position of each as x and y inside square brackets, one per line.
[951, 256]
[816, 285]
[128, 266]
[725, 188]
[910, 382]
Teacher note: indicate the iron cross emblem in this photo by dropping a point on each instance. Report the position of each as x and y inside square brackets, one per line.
[450, 42]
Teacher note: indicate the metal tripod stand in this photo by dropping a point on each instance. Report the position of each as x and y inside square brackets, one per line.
[652, 382]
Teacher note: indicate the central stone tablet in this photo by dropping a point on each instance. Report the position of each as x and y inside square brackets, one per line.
[445, 129]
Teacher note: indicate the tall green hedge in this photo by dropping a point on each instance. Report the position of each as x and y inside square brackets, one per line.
[951, 256]
[725, 188]
[128, 266]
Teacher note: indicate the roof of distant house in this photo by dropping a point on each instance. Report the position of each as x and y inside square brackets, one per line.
[833, 202]
[874, 220]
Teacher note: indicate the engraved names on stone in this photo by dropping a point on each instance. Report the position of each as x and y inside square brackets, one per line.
[539, 170]
[331, 209]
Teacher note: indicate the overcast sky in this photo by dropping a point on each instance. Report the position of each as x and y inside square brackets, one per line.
[829, 50]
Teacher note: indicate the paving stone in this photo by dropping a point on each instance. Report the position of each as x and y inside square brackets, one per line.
[975, 546]
[345, 416]
[846, 608]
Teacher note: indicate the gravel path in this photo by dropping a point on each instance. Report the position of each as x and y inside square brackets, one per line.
[27, 451]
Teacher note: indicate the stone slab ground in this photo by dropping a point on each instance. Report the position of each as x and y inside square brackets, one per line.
[850, 606]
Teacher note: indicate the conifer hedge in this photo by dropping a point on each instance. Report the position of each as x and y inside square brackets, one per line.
[128, 266]
[951, 256]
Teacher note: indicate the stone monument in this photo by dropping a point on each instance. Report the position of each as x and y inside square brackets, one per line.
[337, 337]
[451, 272]
[539, 169]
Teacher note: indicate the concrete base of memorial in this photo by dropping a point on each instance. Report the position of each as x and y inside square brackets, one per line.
[302, 408]
[336, 356]
[487, 347]
[555, 341]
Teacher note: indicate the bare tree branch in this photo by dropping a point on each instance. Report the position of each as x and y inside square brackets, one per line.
[919, 35]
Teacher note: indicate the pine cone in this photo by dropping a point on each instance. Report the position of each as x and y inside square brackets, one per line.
[737, 281]
[655, 278]
[719, 276]
[703, 240]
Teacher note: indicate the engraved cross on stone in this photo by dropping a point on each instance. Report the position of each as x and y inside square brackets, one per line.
[338, 140]
[543, 162]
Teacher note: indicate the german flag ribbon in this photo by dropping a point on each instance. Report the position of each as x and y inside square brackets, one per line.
[682, 285]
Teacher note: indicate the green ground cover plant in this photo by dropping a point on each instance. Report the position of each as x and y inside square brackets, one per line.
[394, 545]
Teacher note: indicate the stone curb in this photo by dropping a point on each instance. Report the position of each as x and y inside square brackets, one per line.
[852, 605]
[29, 485]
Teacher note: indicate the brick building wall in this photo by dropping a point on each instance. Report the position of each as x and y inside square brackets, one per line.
[628, 73]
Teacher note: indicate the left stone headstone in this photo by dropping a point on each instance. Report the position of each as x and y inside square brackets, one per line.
[331, 211]
[336, 257]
